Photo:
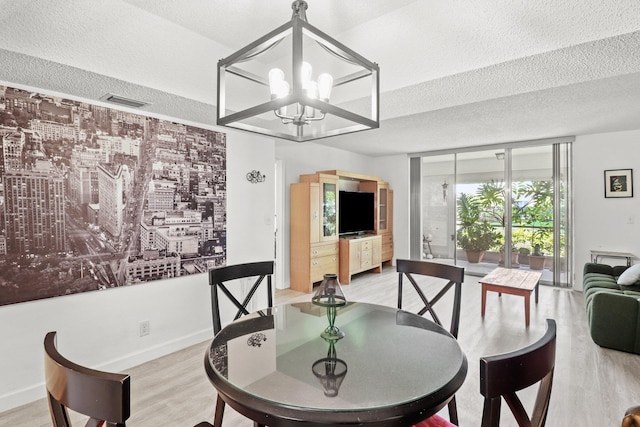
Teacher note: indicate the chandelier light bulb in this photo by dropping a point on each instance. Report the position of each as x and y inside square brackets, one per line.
[305, 74]
[276, 80]
[325, 84]
[283, 89]
[312, 90]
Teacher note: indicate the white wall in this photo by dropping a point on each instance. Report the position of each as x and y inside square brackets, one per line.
[395, 170]
[100, 328]
[600, 223]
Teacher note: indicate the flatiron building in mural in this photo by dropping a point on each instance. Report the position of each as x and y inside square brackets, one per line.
[93, 197]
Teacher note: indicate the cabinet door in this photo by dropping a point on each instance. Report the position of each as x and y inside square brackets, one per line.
[354, 256]
[314, 211]
[389, 210]
[376, 252]
[329, 205]
[383, 205]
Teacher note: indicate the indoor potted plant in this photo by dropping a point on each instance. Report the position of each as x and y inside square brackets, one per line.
[475, 235]
[477, 238]
[536, 259]
[538, 217]
[515, 255]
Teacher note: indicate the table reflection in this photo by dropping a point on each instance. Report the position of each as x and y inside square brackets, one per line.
[330, 371]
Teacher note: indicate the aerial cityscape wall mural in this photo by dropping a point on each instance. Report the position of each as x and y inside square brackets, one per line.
[92, 197]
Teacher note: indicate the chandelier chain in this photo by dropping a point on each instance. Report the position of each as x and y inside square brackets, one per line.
[300, 9]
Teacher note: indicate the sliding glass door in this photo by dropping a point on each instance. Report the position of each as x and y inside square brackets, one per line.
[506, 205]
[438, 195]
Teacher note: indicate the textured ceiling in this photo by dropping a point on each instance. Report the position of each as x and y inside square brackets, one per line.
[453, 73]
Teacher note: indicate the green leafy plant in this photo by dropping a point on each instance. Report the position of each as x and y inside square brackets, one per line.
[478, 237]
[538, 216]
[475, 233]
[531, 212]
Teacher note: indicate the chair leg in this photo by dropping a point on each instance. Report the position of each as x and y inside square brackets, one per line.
[217, 418]
[491, 412]
[453, 411]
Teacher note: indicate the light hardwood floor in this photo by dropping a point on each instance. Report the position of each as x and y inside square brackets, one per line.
[592, 386]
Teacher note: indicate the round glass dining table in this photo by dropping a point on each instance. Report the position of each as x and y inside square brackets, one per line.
[391, 368]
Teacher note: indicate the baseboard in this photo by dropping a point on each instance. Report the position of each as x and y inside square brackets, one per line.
[151, 353]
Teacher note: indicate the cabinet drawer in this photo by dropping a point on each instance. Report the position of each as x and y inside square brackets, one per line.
[323, 265]
[324, 250]
[365, 260]
[387, 247]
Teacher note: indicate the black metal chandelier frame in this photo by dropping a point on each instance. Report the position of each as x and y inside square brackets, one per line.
[298, 28]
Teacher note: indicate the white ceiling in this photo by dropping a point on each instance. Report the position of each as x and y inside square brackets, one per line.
[453, 73]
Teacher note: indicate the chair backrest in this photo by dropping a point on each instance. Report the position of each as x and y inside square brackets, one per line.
[631, 417]
[503, 375]
[104, 397]
[217, 277]
[455, 276]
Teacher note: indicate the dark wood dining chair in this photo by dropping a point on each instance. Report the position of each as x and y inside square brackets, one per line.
[104, 397]
[631, 417]
[217, 278]
[503, 375]
[455, 276]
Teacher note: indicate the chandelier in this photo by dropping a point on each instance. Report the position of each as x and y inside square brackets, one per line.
[298, 83]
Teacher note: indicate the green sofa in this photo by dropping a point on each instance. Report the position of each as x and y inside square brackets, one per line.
[613, 310]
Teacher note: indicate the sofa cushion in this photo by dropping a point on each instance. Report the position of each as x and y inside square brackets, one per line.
[613, 310]
[592, 267]
[633, 288]
[598, 280]
[630, 277]
[613, 320]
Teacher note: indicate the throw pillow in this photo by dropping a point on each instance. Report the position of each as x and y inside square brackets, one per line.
[630, 276]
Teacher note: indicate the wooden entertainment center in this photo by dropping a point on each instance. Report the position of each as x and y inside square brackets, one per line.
[358, 254]
[316, 248]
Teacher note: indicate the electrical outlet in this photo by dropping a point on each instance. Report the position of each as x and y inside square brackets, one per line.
[145, 328]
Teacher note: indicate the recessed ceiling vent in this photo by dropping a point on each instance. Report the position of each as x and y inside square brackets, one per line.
[121, 100]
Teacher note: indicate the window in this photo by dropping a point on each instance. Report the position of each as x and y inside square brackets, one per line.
[462, 214]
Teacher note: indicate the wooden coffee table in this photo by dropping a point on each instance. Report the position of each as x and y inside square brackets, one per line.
[511, 281]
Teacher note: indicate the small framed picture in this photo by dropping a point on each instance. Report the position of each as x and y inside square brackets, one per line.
[618, 183]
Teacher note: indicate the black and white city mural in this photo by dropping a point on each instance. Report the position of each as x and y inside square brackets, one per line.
[92, 197]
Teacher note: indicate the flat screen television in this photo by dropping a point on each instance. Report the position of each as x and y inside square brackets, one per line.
[356, 212]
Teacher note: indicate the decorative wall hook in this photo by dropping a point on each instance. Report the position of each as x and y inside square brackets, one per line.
[255, 177]
[444, 190]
